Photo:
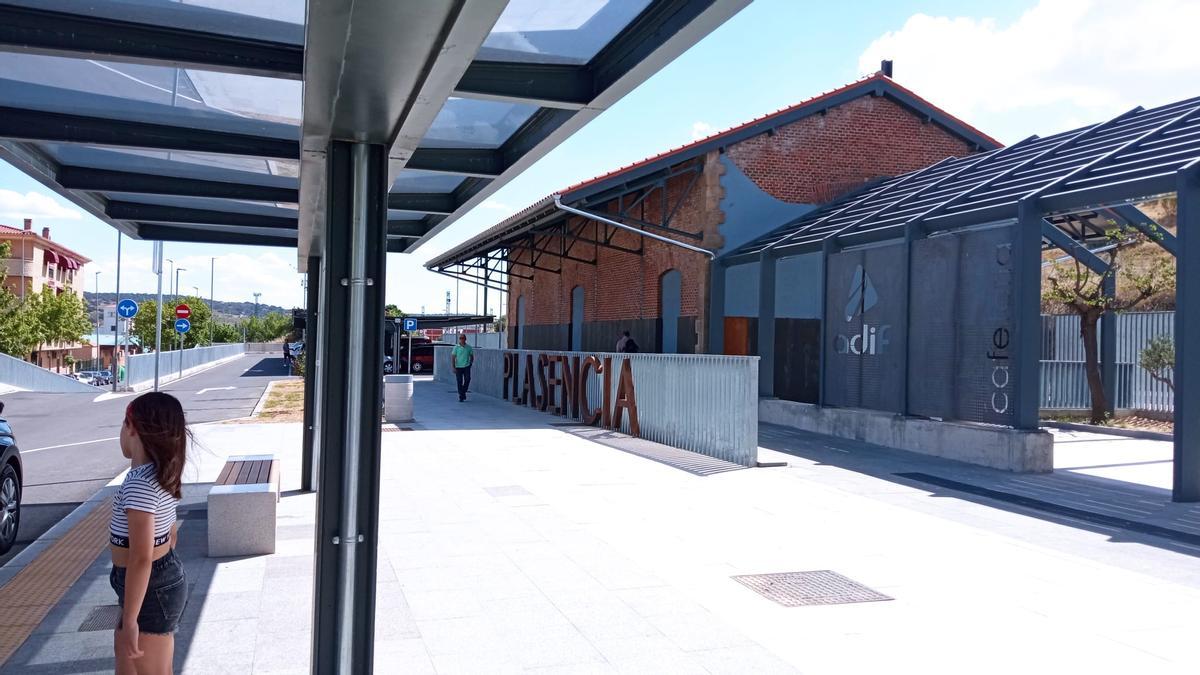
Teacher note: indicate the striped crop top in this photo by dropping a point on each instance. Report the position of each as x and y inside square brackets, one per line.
[141, 492]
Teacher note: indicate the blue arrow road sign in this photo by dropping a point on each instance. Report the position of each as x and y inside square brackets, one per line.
[127, 308]
[182, 325]
[410, 324]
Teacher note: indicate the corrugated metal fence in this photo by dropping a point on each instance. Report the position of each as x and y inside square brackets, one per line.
[705, 404]
[1064, 375]
[140, 367]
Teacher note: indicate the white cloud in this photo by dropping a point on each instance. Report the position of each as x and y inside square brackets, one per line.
[1060, 62]
[495, 205]
[238, 276]
[701, 130]
[34, 205]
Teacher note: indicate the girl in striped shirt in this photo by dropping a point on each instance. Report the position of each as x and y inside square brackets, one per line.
[147, 575]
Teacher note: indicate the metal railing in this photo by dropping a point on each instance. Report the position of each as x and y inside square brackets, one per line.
[1064, 374]
[139, 368]
[702, 403]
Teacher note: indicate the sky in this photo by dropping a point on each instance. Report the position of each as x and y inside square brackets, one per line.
[1011, 68]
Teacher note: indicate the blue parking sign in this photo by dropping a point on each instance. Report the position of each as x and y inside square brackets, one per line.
[410, 324]
[127, 308]
[182, 325]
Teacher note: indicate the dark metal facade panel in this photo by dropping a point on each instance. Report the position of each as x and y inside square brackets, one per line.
[933, 347]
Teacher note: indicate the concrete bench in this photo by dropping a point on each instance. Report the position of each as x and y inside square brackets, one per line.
[241, 507]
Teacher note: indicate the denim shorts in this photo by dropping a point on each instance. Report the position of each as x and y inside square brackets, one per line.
[166, 595]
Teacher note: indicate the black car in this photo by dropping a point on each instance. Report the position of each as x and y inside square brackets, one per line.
[10, 486]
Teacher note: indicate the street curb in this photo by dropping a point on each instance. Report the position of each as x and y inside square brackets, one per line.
[262, 400]
[39, 545]
[1111, 431]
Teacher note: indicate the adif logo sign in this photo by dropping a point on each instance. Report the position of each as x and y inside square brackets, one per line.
[861, 298]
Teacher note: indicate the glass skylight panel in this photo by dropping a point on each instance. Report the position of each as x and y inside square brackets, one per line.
[472, 123]
[554, 31]
[271, 20]
[111, 158]
[56, 79]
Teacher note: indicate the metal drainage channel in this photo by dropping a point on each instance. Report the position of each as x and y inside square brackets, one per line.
[799, 589]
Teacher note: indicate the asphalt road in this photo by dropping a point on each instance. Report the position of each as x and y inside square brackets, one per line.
[69, 444]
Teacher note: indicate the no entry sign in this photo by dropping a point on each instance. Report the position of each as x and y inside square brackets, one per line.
[182, 311]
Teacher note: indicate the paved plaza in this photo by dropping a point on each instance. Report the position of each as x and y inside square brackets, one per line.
[511, 546]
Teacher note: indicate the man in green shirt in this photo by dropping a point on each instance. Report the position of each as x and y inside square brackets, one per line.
[462, 357]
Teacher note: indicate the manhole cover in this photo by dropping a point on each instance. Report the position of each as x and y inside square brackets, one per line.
[820, 587]
[508, 491]
[104, 617]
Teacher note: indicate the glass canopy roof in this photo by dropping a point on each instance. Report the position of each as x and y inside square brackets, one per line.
[184, 118]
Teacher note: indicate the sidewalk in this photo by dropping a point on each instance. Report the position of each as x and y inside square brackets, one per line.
[508, 545]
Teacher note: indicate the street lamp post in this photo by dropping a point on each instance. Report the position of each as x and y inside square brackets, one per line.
[212, 284]
[99, 318]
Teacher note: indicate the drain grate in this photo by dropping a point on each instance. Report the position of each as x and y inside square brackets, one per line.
[508, 491]
[394, 428]
[799, 589]
[104, 617]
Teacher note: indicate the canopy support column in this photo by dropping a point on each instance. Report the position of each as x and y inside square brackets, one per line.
[1108, 345]
[1186, 487]
[351, 388]
[308, 468]
[1027, 319]
[716, 308]
[767, 264]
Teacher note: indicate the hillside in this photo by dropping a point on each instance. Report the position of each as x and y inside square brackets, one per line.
[1137, 259]
[226, 311]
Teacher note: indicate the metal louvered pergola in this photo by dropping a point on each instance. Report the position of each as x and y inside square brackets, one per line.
[1059, 191]
[344, 128]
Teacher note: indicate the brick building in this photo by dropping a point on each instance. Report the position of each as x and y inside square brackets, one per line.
[637, 249]
[36, 262]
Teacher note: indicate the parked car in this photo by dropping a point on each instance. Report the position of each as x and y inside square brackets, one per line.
[96, 378]
[10, 486]
[106, 376]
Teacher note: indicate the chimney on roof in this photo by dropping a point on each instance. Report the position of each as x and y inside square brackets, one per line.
[45, 233]
[28, 224]
[885, 67]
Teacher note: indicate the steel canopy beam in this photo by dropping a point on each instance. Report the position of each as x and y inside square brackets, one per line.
[39, 31]
[86, 178]
[547, 85]
[168, 233]
[461, 161]
[442, 204]
[39, 125]
[406, 228]
[1060, 239]
[176, 214]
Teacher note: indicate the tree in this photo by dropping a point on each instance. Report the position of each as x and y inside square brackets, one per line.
[44, 317]
[226, 333]
[18, 330]
[391, 311]
[1158, 359]
[61, 317]
[267, 328]
[1084, 292]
